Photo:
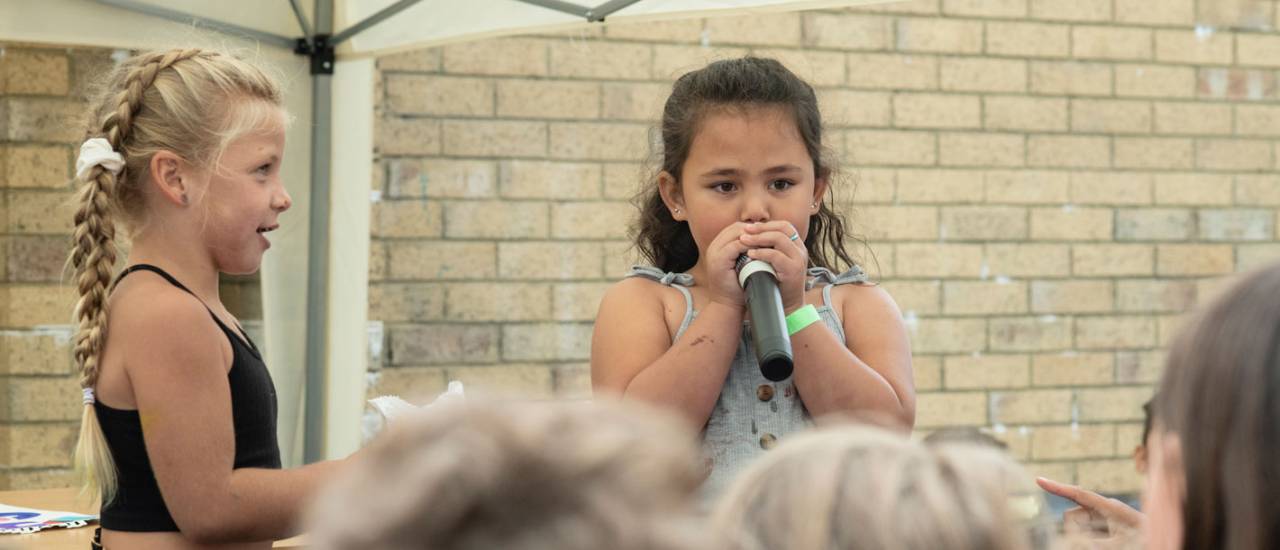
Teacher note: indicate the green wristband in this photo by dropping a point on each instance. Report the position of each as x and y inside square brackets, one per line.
[801, 318]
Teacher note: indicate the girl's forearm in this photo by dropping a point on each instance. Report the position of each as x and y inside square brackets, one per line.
[832, 379]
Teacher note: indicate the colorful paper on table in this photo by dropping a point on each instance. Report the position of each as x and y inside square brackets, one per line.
[18, 520]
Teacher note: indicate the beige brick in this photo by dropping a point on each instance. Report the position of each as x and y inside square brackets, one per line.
[546, 341]
[633, 101]
[1169, 326]
[1079, 10]
[682, 30]
[495, 220]
[400, 136]
[919, 297]
[1110, 476]
[1156, 12]
[915, 7]
[599, 141]
[1193, 189]
[671, 61]
[36, 212]
[417, 385]
[424, 344]
[591, 220]
[982, 149]
[572, 381]
[1235, 84]
[1064, 472]
[549, 260]
[1069, 151]
[1030, 406]
[378, 261]
[948, 335]
[1160, 153]
[442, 260]
[1105, 404]
[869, 185]
[818, 68]
[44, 352]
[32, 399]
[975, 74]
[935, 410]
[44, 166]
[1194, 259]
[927, 370]
[892, 148]
[1110, 116]
[505, 381]
[1072, 369]
[853, 108]
[537, 179]
[1065, 442]
[936, 111]
[1258, 49]
[502, 56]
[1071, 296]
[422, 61]
[1139, 367]
[1154, 224]
[847, 31]
[1185, 46]
[1112, 188]
[407, 218]
[37, 258]
[1027, 260]
[39, 445]
[1210, 289]
[1071, 223]
[898, 222]
[939, 260]
[440, 178]
[983, 297]
[1071, 78]
[1257, 120]
[984, 223]
[1155, 81]
[576, 301]
[1112, 259]
[1115, 332]
[497, 138]
[439, 95]
[406, 302]
[985, 8]
[498, 301]
[1258, 190]
[1126, 434]
[1142, 295]
[1237, 225]
[36, 72]
[1043, 333]
[600, 59]
[1119, 43]
[940, 186]
[939, 35]
[1021, 39]
[1025, 113]
[548, 99]
[773, 29]
[986, 371]
[894, 71]
[1253, 256]
[1026, 187]
[619, 257]
[1233, 154]
[624, 180]
[33, 305]
[1192, 118]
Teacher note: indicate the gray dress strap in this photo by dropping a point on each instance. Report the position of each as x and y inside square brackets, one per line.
[678, 281]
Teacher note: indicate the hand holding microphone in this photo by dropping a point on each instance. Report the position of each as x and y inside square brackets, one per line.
[760, 281]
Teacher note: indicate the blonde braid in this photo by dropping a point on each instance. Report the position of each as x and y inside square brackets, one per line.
[93, 258]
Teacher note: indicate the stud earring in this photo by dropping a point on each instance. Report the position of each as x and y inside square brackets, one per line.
[184, 199]
[677, 211]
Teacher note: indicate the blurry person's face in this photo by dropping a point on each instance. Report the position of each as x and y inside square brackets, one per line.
[1165, 492]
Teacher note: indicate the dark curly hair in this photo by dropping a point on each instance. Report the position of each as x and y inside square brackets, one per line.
[734, 83]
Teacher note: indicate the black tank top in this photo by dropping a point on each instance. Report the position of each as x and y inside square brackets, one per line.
[138, 505]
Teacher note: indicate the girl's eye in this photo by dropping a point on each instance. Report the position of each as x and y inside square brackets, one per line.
[781, 185]
[264, 169]
[723, 187]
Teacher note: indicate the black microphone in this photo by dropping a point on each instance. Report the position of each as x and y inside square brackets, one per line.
[768, 324]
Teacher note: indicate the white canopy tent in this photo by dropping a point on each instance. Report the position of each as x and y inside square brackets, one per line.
[316, 338]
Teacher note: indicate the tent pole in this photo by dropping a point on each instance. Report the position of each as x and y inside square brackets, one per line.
[371, 21]
[316, 360]
[189, 19]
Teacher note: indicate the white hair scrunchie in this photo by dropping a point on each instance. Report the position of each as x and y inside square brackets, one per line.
[98, 152]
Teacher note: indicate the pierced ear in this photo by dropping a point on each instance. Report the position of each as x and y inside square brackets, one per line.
[170, 176]
[672, 196]
[820, 185]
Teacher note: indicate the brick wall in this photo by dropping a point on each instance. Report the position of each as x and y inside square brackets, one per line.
[1046, 187]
